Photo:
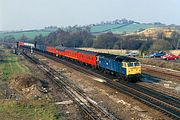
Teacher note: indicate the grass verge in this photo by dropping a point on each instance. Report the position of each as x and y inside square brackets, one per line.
[24, 109]
[10, 64]
[34, 110]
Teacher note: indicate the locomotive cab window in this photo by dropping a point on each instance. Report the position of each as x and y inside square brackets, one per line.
[137, 64]
[130, 64]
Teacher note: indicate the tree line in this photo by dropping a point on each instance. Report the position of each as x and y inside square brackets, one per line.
[84, 38]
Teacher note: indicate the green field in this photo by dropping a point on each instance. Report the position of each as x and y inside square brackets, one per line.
[120, 28]
[10, 64]
[102, 28]
[30, 35]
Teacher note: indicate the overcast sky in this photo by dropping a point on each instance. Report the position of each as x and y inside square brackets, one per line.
[30, 14]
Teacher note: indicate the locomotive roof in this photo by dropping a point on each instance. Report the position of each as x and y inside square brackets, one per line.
[117, 57]
[106, 55]
[126, 59]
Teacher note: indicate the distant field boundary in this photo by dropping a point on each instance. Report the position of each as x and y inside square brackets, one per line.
[30, 34]
[122, 52]
[112, 51]
[109, 29]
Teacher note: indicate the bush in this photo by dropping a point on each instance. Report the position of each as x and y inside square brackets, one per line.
[160, 45]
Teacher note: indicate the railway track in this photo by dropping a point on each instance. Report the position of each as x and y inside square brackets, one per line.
[169, 105]
[152, 86]
[90, 107]
[162, 71]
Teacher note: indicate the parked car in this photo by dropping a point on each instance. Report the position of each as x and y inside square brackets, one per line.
[132, 54]
[157, 55]
[170, 57]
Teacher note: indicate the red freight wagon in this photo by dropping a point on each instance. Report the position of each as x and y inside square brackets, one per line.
[71, 53]
[51, 49]
[60, 53]
[87, 57]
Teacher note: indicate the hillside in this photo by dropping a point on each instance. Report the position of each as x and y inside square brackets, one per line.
[117, 27]
[121, 27]
[153, 32]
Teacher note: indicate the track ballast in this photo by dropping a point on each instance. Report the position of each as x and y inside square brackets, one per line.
[169, 105]
[90, 107]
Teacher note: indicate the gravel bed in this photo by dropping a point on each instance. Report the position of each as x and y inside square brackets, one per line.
[120, 105]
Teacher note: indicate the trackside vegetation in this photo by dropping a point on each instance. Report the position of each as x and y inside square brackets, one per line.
[19, 108]
[34, 110]
[10, 64]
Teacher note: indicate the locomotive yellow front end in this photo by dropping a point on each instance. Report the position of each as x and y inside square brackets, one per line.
[133, 68]
[133, 71]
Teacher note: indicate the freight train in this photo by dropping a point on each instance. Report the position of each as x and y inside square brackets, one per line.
[125, 68]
